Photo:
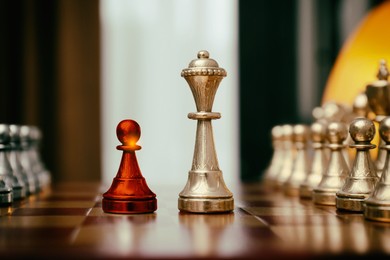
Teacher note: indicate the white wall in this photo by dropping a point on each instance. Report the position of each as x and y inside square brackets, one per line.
[145, 45]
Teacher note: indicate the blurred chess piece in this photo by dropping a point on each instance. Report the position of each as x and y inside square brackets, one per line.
[362, 177]
[276, 162]
[26, 159]
[205, 190]
[377, 205]
[288, 156]
[336, 170]
[129, 192]
[6, 192]
[378, 96]
[300, 167]
[14, 160]
[38, 166]
[319, 160]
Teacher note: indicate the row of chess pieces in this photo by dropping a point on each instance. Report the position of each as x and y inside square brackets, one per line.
[335, 161]
[22, 172]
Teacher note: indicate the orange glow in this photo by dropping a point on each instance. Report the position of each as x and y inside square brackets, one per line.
[358, 60]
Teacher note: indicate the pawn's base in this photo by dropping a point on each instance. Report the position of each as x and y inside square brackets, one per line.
[129, 206]
[350, 203]
[290, 190]
[377, 212]
[305, 192]
[327, 198]
[206, 205]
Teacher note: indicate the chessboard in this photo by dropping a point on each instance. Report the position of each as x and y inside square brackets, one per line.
[67, 221]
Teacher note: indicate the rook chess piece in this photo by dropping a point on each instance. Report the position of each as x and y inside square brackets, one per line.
[205, 191]
[362, 177]
[337, 170]
[129, 192]
[377, 206]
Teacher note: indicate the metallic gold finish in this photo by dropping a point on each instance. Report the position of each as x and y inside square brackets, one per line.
[377, 205]
[205, 191]
[362, 178]
[276, 162]
[300, 167]
[288, 156]
[378, 95]
[318, 163]
[337, 170]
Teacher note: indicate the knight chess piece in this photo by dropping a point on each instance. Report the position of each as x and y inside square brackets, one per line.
[319, 160]
[205, 190]
[378, 93]
[377, 205]
[129, 192]
[300, 167]
[336, 170]
[362, 177]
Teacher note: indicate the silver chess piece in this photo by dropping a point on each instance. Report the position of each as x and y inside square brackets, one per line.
[336, 170]
[377, 205]
[205, 191]
[38, 166]
[6, 192]
[319, 160]
[300, 167]
[378, 94]
[288, 156]
[276, 162]
[362, 177]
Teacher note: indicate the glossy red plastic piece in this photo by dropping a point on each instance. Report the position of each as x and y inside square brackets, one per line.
[129, 192]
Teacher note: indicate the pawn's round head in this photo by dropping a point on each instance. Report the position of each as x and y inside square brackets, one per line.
[336, 132]
[300, 133]
[128, 132]
[384, 130]
[277, 132]
[318, 131]
[5, 134]
[362, 130]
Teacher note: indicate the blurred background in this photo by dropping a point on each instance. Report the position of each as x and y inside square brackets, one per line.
[77, 68]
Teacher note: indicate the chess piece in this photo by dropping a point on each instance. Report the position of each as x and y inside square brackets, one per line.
[129, 192]
[378, 93]
[26, 160]
[6, 192]
[38, 167]
[288, 156]
[319, 160]
[336, 170]
[377, 205]
[362, 177]
[277, 156]
[205, 191]
[300, 167]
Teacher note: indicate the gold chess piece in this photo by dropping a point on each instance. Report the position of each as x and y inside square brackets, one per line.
[378, 93]
[276, 162]
[288, 156]
[377, 205]
[319, 160]
[300, 167]
[362, 177]
[336, 170]
[205, 191]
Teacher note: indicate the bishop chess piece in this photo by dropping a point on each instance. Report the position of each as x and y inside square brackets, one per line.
[129, 192]
[205, 191]
[337, 170]
[300, 167]
[378, 93]
[377, 205]
[319, 160]
[362, 177]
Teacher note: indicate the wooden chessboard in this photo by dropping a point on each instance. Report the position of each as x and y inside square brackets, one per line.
[67, 221]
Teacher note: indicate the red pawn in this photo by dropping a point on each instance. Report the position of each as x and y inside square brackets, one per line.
[129, 192]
